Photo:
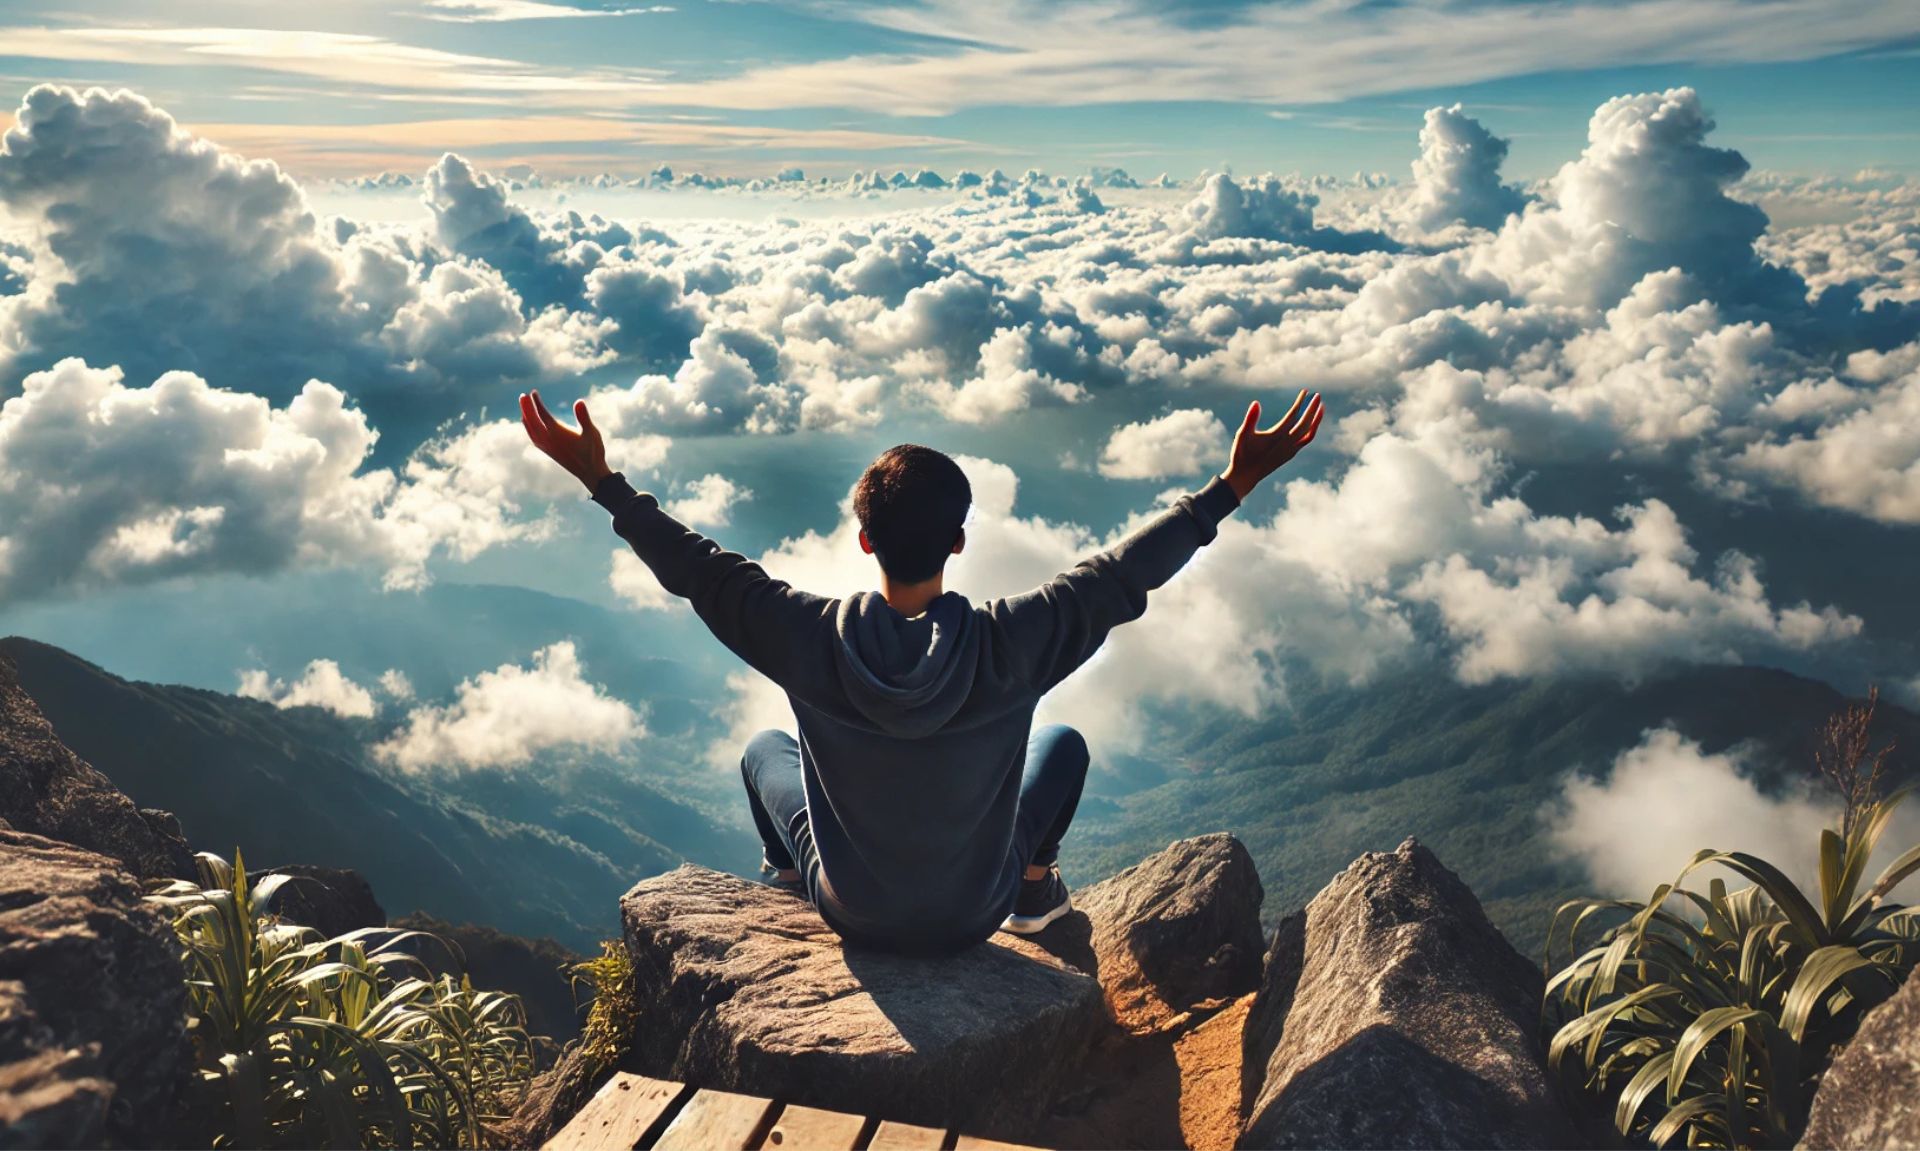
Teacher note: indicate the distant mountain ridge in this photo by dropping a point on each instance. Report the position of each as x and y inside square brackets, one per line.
[1470, 769]
[295, 785]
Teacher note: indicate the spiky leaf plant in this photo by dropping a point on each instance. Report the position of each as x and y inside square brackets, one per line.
[615, 1012]
[1705, 1020]
[309, 1042]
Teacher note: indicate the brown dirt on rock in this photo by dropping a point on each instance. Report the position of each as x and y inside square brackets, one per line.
[1156, 1091]
[1209, 1060]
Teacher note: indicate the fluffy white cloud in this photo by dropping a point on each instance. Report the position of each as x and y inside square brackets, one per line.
[103, 483]
[1616, 601]
[634, 584]
[1667, 799]
[1522, 593]
[1010, 379]
[1456, 178]
[1648, 193]
[1180, 443]
[156, 250]
[396, 685]
[503, 718]
[707, 502]
[1863, 454]
[322, 685]
[1621, 323]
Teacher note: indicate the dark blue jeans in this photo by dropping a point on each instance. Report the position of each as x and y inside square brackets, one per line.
[1050, 785]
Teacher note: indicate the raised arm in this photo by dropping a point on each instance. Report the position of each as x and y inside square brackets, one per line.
[1058, 626]
[766, 622]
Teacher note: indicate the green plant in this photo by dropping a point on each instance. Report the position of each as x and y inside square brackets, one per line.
[1706, 1020]
[309, 1042]
[615, 1012]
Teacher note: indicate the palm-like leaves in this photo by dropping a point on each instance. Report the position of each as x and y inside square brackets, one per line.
[1705, 1019]
[311, 1042]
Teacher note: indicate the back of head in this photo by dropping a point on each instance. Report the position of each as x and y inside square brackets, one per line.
[912, 503]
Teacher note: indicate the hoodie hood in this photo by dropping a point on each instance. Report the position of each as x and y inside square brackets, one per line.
[907, 676]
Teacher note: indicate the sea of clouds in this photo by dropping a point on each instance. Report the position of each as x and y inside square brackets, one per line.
[203, 373]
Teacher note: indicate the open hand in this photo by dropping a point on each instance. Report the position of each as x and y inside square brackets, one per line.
[583, 453]
[1258, 454]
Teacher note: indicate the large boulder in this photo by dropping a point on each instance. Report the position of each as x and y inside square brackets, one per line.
[1394, 1014]
[1177, 932]
[93, 1002]
[47, 790]
[331, 900]
[1870, 1096]
[743, 987]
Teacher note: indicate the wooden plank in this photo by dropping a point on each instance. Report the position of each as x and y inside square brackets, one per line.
[717, 1120]
[620, 1114]
[895, 1136]
[976, 1143]
[811, 1129]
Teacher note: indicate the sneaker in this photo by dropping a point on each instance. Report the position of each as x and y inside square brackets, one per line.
[779, 876]
[1041, 901]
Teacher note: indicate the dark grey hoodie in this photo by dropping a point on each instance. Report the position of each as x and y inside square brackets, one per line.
[913, 732]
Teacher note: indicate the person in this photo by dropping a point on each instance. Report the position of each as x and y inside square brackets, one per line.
[917, 809]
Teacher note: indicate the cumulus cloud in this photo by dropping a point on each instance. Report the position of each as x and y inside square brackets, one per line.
[473, 215]
[1667, 799]
[1180, 443]
[1456, 178]
[322, 685]
[707, 502]
[1862, 453]
[1648, 193]
[104, 484]
[396, 685]
[1520, 593]
[504, 718]
[1011, 378]
[1623, 322]
[157, 250]
[1262, 208]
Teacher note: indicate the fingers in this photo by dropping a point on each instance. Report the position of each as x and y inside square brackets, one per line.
[530, 416]
[1310, 416]
[1314, 415]
[1291, 412]
[586, 421]
[546, 417]
[1251, 420]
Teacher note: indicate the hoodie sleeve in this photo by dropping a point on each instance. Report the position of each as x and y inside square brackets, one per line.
[775, 627]
[1058, 626]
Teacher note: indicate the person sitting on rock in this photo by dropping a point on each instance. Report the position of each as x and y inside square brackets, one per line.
[918, 809]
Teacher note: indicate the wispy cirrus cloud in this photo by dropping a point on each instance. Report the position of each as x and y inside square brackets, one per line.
[500, 11]
[339, 57]
[1025, 52]
[949, 55]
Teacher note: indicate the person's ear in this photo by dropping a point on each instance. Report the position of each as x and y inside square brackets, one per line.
[866, 545]
[960, 543]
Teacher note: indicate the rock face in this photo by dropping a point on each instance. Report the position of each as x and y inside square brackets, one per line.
[93, 1046]
[331, 900]
[47, 790]
[1393, 1014]
[743, 987]
[1177, 931]
[1870, 1097]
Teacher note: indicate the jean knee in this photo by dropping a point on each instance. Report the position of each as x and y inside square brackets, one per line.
[765, 747]
[1065, 747]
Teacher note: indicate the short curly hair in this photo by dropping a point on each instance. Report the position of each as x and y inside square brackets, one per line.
[912, 502]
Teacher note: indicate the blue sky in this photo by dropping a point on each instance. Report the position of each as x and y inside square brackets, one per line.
[744, 87]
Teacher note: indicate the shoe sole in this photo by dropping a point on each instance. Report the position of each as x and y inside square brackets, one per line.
[1033, 924]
